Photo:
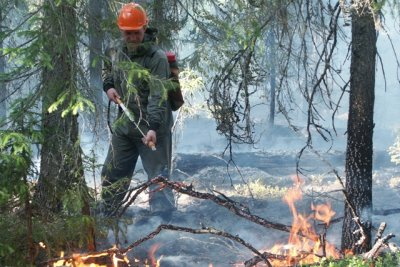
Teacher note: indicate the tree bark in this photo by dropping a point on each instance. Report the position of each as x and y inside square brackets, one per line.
[272, 67]
[360, 127]
[61, 165]
[3, 88]
[96, 47]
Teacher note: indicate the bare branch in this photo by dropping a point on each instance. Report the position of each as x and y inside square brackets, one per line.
[207, 230]
[380, 231]
[374, 252]
[188, 190]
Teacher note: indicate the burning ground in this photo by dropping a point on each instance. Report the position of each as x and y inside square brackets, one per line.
[270, 177]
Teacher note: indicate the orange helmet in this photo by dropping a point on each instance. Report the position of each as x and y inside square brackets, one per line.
[132, 17]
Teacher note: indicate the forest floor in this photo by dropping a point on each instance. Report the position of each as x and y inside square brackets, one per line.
[269, 175]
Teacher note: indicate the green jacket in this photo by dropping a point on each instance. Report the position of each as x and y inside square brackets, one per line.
[146, 98]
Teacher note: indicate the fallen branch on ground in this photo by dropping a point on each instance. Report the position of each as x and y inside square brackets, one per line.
[380, 231]
[188, 190]
[379, 243]
[206, 230]
[122, 251]
[374, 252]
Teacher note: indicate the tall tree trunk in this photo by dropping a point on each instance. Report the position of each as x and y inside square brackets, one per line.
[272, 82]
[3, 88]
[360, 125]
[96, 48]
[61, 164]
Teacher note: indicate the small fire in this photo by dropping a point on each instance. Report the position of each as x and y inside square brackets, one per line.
[110, 258]
[348, 252]
[304, 245]
[105, 259]
[153, 261]
[323, 213]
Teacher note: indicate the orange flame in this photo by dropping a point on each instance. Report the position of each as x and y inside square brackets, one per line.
[151, 254]
[107, 259]
[348, 252]
[304, 243]
[323, 212]
[79, 260]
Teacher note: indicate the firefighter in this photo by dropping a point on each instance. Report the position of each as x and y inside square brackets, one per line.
[152, 113]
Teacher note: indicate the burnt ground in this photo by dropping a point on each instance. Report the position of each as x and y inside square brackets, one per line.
[268, 175]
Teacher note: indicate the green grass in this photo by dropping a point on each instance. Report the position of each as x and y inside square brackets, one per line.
[260, 190]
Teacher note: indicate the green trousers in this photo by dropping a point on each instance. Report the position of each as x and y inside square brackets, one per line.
[125, 148]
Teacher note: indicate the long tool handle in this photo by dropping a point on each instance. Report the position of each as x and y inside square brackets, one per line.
[130, 116]
[126, 110]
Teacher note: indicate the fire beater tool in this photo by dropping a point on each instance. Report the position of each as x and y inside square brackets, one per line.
[130, 116]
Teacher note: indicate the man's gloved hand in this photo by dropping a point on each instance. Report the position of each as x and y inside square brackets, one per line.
[113, 95]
